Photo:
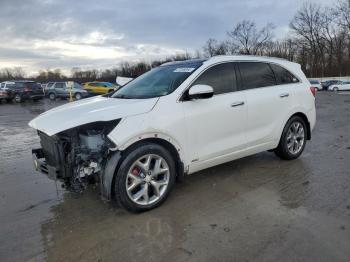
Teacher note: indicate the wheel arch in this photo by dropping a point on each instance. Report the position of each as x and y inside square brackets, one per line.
[304, 117]
[116, 158]
[173, 150]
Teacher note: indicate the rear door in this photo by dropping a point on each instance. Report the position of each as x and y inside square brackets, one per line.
[216, 126]
[59, 88]
[267, 102]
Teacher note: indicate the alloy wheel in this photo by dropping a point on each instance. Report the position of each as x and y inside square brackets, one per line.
[295, 138]
[147, 179]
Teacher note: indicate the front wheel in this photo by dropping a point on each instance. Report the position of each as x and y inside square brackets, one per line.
[335, 89]
[52, 96]
[293, 139]
[144, 178]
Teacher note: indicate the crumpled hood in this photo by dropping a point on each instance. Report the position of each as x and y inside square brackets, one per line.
[89, 110]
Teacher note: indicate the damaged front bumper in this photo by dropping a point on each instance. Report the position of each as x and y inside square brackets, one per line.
[41, 166]
[78, 157]
[106, 175]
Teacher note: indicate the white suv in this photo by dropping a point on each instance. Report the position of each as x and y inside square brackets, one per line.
[176, 119]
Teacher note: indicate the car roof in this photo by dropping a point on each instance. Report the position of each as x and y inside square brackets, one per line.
[252, 58]
[184, 62]
[226, 58]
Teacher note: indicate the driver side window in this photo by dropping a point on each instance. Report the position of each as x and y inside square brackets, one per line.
[221, 78]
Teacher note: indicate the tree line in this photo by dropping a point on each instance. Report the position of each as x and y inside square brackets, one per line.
[319, 40]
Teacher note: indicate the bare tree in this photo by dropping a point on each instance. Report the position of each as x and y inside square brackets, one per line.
[213, 47]
[307, 25]
[248, 39]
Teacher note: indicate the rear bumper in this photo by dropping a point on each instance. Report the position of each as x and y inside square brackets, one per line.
[41, 166]
[36, 96]
[3, 95]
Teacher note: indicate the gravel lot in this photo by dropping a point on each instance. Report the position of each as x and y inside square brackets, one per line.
[255, 209]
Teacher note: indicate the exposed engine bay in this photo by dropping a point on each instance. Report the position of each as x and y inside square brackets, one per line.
[76, 156]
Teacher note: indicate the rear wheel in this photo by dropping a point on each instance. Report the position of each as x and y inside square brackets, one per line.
[78, 96]
[18, 98]
[293, 139]
[145, 178]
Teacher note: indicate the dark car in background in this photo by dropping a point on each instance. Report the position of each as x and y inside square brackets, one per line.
[20, 91]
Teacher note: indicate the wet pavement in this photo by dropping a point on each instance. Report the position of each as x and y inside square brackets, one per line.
[255, 209]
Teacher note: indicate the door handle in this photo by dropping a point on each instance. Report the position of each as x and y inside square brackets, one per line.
[237, 104]
[284, 95]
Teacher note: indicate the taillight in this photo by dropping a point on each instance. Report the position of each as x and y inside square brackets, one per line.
[313, 90]
[27, 89]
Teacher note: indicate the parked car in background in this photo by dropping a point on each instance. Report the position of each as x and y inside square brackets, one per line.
[328, 83]
[342, 86]
[19, 91]
[47, 86]
[99, 88]
[3, 93]
[316, 84]
[65, 90]
[176, 119]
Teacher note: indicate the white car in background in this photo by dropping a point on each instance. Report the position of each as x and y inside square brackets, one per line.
[341, 86]
[177, 119]
[316, 84]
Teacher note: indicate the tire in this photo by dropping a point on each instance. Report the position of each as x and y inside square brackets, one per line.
[291, 144]
[77, 96]
[335, 89]
[17, 98]
[144, 183]
[8, 100]
[52, 96]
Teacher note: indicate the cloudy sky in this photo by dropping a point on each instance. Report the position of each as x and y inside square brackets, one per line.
[41, 34]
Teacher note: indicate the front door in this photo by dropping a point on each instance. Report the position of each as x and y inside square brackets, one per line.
[216, 126]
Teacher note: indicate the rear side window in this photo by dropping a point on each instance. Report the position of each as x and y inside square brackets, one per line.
[33, 84]
[59, 85]
[19, 84]
[256, 74]
[283, 76]
[221, 78]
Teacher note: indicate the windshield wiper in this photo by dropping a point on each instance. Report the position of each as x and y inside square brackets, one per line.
[122, 97]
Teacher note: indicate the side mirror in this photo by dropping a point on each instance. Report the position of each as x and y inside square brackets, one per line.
[200, 92]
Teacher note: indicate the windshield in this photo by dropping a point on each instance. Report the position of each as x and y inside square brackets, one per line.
[160, 81]
[108, 84]
[314, 82]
